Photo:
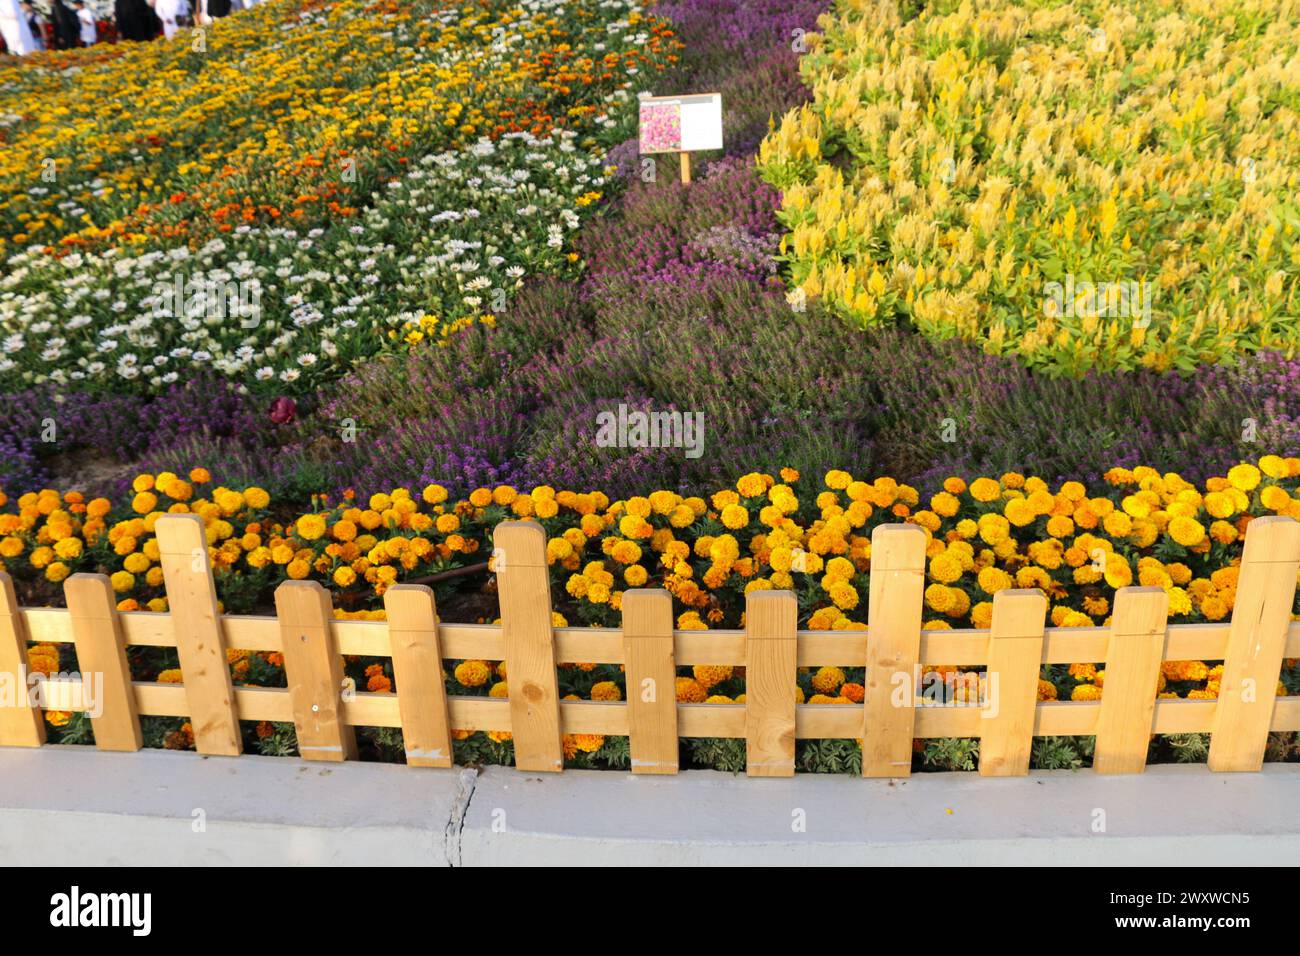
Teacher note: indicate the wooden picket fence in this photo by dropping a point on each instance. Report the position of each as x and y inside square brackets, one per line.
[770, 648]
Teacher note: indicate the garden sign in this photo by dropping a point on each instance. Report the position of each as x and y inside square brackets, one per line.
[681, 124]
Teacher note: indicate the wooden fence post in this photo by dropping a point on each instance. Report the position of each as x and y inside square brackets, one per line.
[651, 679]
[771, 665]
[314, 671]
[1256, 638]
[417, 666]
[196, 621]
[895, 605]
[1015, 661]
[524, 585]
[20, 723]
[101, 660]
[1128, 699]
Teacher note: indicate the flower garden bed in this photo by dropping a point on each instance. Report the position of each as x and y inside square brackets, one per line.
[458, 262]
[1078, 547]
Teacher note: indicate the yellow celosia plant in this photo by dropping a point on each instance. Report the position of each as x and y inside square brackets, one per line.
[1102, 183]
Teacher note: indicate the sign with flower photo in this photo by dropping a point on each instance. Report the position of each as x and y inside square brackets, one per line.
[681, 124]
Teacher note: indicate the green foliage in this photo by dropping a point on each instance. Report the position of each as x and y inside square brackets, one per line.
[1189, 748]
[950, 753]
[718, 753]
[829, 756]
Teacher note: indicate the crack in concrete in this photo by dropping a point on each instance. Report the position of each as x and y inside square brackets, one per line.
[466, 783]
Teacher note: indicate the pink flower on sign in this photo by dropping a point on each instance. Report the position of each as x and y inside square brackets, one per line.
[661, 127]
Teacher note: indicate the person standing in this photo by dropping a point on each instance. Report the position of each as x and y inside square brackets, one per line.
[171, 12]
[209, 10]
[67, 31]
[135, 20]
[35, 24]
[87, 20]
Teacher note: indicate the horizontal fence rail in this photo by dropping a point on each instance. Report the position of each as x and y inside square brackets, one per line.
[893, 650]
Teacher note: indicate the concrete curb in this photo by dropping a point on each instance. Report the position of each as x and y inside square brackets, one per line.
[78, 806]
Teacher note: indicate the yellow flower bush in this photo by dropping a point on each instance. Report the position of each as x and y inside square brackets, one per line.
[1103, 183]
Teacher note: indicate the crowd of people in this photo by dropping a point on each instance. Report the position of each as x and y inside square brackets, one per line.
[67, 26]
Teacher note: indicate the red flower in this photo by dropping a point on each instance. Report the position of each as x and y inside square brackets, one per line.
[283, 409]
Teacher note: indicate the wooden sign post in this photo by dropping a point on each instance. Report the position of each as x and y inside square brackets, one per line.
[681, 125]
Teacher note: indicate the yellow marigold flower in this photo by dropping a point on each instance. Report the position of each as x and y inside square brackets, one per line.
[940, 598]
[1219, 504]
[992, 580]
[143, 483]
[310, 527]
[1086, 692]
[838, 480]
[1085, 672]
[256, 498]
[135, 563]
[1275, 499]
[1046, 690]
[752, 485]
[144, 502]
[994, 528]
[66, 548]
[828, 680]
[344, 577]
[56, 572]
[1019, 512]
[1273, 466]
[1059, 526]
[735, 517]
[944, 504]
[844, 595]
[122, 581]
[606, 690]
[985, 489]
[946, 568]
[636, 576]
[689, 691]
[1117, 524]
[1187, 531]
[625, 552]
[1243, 477]
[472, 673]
[298, 569]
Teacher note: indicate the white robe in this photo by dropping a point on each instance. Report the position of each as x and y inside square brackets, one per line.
[88, 32]
[169, 11]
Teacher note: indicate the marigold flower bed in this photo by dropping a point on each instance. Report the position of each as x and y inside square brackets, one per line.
[768, 531]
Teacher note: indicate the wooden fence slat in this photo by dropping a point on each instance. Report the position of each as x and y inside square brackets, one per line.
[196, 621]
[21, 724]
[651, 680]
[1128, 699]
[1015, 660]
[895, 605]
[101, 658]
[313, 668]
[1261, 617]
[417, 666]
[771, 654]
[523, 582]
